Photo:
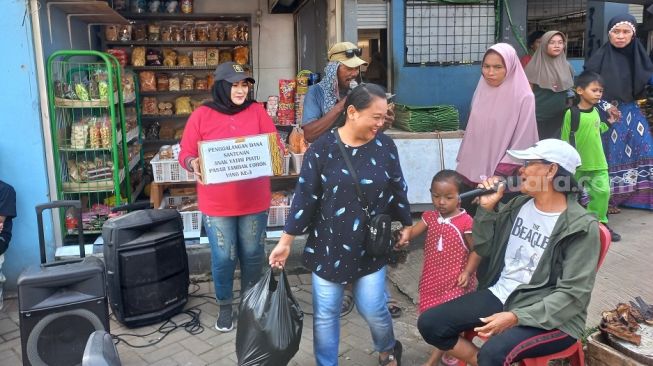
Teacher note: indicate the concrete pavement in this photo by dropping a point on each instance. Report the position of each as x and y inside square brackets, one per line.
[626, 273]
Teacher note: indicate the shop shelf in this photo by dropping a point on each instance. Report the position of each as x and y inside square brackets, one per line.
[162, 117]
[175, 92]
[188, 17]
[185, 44]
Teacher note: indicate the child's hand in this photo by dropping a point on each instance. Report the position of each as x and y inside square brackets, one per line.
[463, 279]
[614, 114]
[404, 238]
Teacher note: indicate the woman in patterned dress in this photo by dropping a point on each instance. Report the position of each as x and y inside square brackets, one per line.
[626, 68]
[327, 207]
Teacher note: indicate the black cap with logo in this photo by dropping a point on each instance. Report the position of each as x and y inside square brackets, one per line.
[232, 72]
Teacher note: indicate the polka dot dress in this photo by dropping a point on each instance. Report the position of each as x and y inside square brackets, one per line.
[445, 257]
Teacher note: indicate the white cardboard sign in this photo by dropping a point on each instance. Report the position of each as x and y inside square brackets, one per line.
[229, 160]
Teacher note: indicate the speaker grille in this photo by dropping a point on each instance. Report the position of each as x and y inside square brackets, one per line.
[60, 338]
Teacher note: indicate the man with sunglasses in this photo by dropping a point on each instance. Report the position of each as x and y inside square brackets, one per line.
[325, 101]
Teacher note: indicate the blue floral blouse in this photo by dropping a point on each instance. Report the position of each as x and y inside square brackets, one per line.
[326, 205]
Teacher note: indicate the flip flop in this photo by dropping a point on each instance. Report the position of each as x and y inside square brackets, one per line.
[395, 311]
[347, 303]
[395, 356]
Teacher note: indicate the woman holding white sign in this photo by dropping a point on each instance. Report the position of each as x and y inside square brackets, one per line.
[234, 213]
[327, 206]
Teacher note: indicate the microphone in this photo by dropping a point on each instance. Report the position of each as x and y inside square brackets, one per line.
[511, 184]
[352, 84]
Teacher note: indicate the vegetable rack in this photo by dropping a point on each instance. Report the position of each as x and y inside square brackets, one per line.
[96, 150]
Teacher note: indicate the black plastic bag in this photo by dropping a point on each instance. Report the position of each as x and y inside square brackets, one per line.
[269, 323]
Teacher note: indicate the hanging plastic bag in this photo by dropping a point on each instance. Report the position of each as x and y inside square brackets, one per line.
[269, 323]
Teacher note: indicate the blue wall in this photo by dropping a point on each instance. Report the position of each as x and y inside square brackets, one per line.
[428, 85]
[22, 160]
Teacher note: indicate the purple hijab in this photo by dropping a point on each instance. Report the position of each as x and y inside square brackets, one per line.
[500, 118]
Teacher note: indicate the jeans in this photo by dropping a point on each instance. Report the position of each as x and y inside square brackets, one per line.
[235, 239]
[370, 299]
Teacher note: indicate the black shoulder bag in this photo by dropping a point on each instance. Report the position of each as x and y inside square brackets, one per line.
[378, 237]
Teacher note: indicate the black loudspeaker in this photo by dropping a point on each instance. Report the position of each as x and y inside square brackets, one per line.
[59, 308]
[60, 304]
[147, 266]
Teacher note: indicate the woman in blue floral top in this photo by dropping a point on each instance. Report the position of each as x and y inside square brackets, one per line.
[327, 207]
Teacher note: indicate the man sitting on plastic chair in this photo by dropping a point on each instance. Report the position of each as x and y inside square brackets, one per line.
[540, 253]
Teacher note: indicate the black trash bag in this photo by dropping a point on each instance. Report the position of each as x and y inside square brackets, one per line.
[269, 323]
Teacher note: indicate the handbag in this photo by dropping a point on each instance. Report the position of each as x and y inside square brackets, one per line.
[378, 238]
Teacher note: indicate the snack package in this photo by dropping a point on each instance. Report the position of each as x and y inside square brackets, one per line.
[148, 81]
[225, 56]
[153, 58]
[105, 131]
[203, 33]
[199, 58]
[138, 56]
[169, 57]
[128, 89]
[111, 32]
[149, 106]
[201, 84]
[187, 82]
[79, 134]
[82, 92]
[173, 83]
[212, 56]
[165, 152]
[183, 61]
[183, 106]
[125, 33]
[94, 134]
[297, 143]
[153, 32]
[162, 82]
[140, 32]
[232, 33]
[241, 55]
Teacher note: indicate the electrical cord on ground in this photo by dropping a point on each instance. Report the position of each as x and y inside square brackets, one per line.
[192, 326]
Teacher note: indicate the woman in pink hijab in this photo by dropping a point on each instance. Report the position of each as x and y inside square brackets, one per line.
[502, 117]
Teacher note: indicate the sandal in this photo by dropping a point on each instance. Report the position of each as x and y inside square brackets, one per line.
[347, 303]
[394, 356]
[613, 210]
[395, 311]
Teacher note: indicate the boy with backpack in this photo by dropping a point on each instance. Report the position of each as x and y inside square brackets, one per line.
[582, 128]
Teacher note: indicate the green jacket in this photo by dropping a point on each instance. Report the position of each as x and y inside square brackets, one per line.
[559, 291]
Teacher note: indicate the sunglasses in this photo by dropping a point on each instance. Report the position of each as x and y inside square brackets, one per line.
[352, 52]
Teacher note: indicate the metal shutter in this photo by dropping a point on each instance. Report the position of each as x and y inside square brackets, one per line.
[372, 14]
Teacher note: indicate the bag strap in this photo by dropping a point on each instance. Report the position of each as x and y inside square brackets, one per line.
[574, 124]
[352, 172]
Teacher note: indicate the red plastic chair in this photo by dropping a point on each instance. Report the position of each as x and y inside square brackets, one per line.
[574, 352]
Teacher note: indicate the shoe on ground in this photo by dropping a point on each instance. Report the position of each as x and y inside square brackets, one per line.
[615, 237]
[225, 322]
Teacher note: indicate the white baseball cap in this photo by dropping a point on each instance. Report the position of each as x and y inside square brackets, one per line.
[552, 150]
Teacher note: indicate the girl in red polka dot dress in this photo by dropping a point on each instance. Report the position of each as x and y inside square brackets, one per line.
[449, 269]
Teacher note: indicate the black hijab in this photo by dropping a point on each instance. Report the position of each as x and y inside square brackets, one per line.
[221, 92]
[627, 70]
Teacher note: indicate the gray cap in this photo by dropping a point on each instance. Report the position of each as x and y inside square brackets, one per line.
[232, 72]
